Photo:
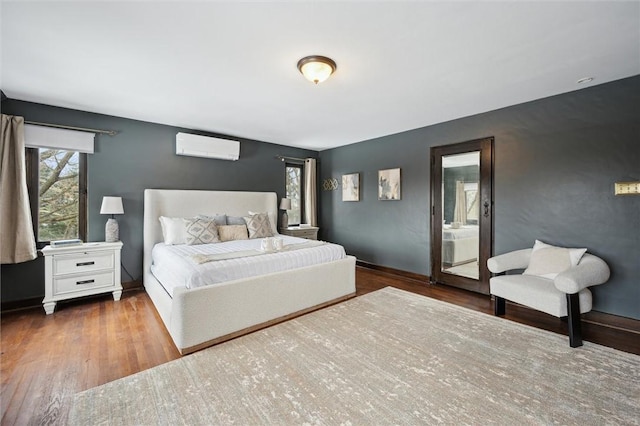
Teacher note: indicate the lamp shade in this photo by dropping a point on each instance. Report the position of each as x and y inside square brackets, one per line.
[111, 205]
[285, 204]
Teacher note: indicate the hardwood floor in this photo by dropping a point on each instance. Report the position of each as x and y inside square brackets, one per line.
[46, 359]
[85, 343]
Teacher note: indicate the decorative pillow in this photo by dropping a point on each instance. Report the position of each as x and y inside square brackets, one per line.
[173, 230]
[219, 219]
[236, 220]
[232, 232]
[258, 226]
[272, 218]
[201, 231]
[548, 261]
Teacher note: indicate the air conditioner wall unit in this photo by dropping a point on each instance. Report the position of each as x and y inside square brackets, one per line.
[207, 147]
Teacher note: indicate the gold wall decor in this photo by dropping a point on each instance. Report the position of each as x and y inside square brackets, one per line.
[330, 184]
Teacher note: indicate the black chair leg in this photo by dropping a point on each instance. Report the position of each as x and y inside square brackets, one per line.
[573, 312]
[499, 306]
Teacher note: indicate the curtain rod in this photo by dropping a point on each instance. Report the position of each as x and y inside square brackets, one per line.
[282, 158]
[82, 129]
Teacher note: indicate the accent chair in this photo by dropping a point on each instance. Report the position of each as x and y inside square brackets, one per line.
[561, 293]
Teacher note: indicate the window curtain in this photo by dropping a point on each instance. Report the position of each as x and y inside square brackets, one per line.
[460, 212]
[310, 192]
[17, 240]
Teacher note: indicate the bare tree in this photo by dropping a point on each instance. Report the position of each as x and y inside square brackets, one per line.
[59, 195]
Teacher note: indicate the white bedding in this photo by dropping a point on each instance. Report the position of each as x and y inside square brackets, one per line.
[467, 231]
[173, 267]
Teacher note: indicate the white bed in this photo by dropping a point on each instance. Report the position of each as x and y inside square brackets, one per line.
[460, 245]
[203, 316]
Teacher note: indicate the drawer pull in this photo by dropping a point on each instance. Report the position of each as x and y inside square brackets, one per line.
[85, 282]
[85, 263]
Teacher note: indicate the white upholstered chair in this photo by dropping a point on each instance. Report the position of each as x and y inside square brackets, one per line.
[562, 294]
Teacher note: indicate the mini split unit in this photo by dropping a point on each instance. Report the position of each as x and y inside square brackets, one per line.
[207, 147]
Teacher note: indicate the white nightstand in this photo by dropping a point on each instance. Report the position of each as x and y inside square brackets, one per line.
[83, 270]
[308, 232]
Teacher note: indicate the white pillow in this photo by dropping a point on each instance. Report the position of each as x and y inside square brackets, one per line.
[548, 261]
[174, 230]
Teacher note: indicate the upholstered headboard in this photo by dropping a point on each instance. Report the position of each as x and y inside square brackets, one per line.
[189, 203]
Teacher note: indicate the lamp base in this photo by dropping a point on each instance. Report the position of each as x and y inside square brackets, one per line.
[285, 220]
[111, 231]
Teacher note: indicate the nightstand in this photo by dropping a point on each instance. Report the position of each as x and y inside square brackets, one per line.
[82, 270]
[308, 232]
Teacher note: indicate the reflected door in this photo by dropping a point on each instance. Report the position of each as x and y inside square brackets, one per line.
[461, 227]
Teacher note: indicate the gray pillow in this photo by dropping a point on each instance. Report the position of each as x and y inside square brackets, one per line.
[219, 219]
[235, 220]
[201, 231]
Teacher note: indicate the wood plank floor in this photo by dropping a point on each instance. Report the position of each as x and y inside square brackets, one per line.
[89, 342]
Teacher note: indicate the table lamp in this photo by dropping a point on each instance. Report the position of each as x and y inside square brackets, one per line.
[285, 204]
[112, 206]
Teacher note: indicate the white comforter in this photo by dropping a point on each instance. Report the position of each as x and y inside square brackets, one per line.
[467, 231]
[174, 266]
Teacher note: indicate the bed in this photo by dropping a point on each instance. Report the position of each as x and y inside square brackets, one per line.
[459, 245]
[206, 315]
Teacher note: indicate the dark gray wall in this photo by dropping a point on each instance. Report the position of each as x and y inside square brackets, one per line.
[556, 161]
[142, 155]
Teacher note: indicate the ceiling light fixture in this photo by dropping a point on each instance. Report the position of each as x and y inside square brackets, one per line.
[316, 68]
[585, 80]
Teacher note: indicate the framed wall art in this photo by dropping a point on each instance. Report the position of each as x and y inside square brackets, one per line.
[351, 187]
[389, 184]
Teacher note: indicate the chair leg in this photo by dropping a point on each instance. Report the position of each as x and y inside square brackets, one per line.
[499, 306]
[575, 328]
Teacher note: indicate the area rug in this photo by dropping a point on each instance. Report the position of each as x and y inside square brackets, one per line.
[388, 357]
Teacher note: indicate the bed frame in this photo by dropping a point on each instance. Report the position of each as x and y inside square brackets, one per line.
[201, 317]
[458, 252]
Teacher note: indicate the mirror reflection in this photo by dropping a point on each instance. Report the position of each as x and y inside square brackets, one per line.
[460, 213]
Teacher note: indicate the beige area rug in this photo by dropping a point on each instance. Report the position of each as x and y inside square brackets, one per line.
[388, 357]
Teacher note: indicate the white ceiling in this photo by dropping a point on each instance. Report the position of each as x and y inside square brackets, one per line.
[230, 67]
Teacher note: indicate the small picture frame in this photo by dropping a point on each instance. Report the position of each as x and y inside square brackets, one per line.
[389, 184]
[351, 187]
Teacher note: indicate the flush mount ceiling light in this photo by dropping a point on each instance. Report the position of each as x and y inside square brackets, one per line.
[316, 68]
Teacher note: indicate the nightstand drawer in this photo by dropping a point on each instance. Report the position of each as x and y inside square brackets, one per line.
[82, 282]
[79, 263]
[307, 233]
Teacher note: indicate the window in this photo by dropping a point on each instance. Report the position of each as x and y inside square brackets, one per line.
[57, 181]
[294, 191]
[57, 192]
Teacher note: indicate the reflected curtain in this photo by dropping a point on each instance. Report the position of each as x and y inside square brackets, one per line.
[460, 211]
[310, 194]
[16, 230]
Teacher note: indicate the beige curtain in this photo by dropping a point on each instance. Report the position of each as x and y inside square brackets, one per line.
[310, 192]
[460, 212]
[17, 242]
